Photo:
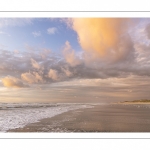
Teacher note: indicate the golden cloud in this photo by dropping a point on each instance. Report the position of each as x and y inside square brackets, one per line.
[12, 82]
[100, 35]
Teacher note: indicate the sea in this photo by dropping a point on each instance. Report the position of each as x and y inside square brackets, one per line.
[18, 115]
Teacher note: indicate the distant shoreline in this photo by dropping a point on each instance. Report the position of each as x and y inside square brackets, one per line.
[135, 102]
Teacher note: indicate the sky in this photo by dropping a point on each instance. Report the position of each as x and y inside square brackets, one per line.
[74, 60]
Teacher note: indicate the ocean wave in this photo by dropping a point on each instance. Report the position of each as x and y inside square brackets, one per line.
[18, 115]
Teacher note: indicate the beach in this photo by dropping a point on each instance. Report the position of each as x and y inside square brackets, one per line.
[100, 118]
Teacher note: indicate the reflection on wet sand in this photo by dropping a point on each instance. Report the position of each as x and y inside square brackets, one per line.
[102, 118]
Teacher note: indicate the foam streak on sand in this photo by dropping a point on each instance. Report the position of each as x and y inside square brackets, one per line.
[18, 115]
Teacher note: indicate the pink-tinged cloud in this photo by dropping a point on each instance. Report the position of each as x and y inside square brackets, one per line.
[32, 77]
[35, 64]
[67, 72]
[70, 56]
[53, 74]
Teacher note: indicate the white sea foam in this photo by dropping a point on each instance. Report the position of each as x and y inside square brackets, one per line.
[17, 115]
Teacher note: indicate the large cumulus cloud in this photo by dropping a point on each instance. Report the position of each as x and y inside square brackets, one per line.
[103, 37]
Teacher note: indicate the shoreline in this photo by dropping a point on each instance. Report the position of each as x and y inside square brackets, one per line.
[65, 116]
[18, 117]
[142, 103]
[102, 118]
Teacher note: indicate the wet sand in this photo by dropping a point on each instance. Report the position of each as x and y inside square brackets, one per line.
[102, 118]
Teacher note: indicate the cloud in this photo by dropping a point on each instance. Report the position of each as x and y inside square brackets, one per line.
[35, 64]
[34, 69]
[70, 56]
[147, 30]
[1, 32]
[52, 30]
[45, 53]
[67, 72]
[101, 36]
[117, 67]
[36, 34]
[38, 77]
[13, 82]
[16, 51]
[53, 74]
[38, 65]
[15, 21]
[4, 33]
[32, 77]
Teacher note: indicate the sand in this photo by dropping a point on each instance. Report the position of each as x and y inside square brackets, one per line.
[106, 118]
